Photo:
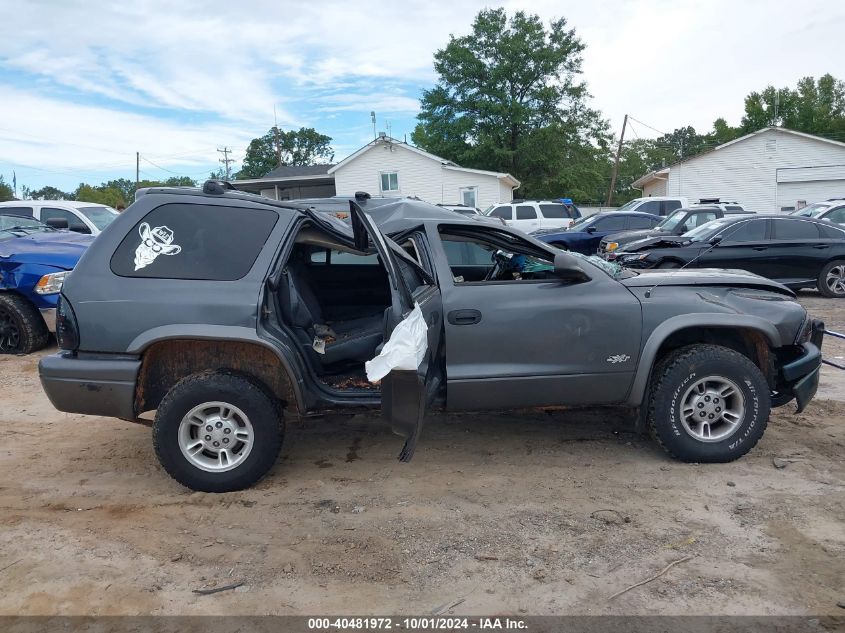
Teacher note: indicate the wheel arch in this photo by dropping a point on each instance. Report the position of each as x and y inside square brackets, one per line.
[748, 335]
[165, 362]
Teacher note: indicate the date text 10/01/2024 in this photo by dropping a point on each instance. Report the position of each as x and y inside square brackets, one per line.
[422, 623]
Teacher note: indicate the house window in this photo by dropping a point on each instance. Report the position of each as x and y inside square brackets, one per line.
[389, 181]
[469, 196]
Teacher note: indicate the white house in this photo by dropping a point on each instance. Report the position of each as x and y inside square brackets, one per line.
[386, 166]
[770, 170]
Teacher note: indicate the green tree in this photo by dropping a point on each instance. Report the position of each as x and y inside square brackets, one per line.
[124, 185]
[305, 146]
[110, 196]
[6, 191]
[508, 98]
[49, 193]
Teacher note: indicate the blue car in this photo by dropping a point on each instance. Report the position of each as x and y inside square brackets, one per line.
[584, 235]
[34, 261]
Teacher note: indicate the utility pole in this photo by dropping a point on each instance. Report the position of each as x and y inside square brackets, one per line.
[226, 160]
[137, 170]
[616, 163]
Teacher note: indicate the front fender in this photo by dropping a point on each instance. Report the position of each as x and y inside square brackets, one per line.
[687, 321]
[22, 278]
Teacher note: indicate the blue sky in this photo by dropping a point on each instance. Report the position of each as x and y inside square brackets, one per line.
[84, 85]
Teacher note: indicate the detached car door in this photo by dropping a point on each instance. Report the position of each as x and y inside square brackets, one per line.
[405, 394]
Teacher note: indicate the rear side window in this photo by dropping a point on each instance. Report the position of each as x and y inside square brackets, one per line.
[505, 212]
[651, 206]
[637, 222]
[192, 241]
[795, 230]
[554, 211]
[749, 231]
[670, 205]
[610, 223]
[833, 231]
[525, 212]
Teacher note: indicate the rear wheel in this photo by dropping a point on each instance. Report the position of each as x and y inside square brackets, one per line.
[708, 404]
[217, 432]
[22, 330]
[831, 282]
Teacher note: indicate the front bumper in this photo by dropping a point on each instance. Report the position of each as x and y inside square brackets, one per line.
[800, 377]
[90, 384]
[49, 316]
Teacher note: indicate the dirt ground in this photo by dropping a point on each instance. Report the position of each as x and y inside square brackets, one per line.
[514, 513]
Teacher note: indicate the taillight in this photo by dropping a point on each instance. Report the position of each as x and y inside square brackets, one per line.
[67, 332]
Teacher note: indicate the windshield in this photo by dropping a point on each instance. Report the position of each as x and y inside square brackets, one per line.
[580, 222]
[629, 205]
[812, 210]
[672, 221]
[100, 217]
[701, 233]
[15, 225]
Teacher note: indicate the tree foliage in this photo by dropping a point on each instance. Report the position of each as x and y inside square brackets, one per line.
[508, 98]
[112, 193]
[6, 191]
[305, 146]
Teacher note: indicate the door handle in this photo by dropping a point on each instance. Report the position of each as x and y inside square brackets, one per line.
[464, 317]
[760, 248]
[821, 246]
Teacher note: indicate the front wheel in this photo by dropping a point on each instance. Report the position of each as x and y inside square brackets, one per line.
[708, 404]
[217, 432]
[22, 330]
[831, 282]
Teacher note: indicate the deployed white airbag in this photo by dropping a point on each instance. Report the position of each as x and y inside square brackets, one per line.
[405, 349]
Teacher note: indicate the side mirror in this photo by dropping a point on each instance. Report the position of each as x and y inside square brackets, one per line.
[569, 268]
[80, 228]
[716, 239]
[590, 229]
[56, 223]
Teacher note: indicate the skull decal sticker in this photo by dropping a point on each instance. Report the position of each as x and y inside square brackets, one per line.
[154, 242]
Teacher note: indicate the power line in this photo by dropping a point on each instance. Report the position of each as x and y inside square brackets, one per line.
[648, 126]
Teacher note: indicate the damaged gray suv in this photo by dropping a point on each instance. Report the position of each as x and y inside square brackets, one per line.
[228, 313]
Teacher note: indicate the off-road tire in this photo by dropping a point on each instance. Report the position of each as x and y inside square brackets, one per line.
[821, 282]
[32, 331]
[260, 407]
[673, 375]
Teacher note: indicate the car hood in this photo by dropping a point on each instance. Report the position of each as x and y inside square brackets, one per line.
[631, 236]
[661, 240]
[704, 277]
[61, 249]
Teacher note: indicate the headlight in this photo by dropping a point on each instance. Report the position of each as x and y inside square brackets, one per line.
[51, 284]
[632, 257]
[611, 246]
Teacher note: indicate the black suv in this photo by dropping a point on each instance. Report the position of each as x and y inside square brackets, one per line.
[227, 313]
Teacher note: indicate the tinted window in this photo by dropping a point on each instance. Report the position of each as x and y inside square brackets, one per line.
[836, 216]
[191, 241]
[610, 223]
[795, 230]
[524, 212]
[505, 212]
[24, 211]
[650, 206]
[636, 222]
[554, 211]
[750, 231]
[832, 231]
[671, 205]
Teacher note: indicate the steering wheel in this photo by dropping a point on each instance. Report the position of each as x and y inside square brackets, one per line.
[496, 270]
